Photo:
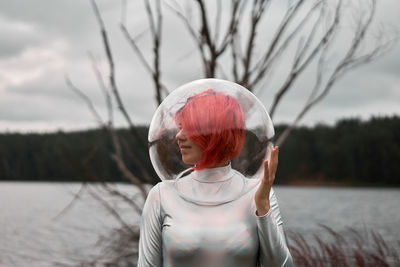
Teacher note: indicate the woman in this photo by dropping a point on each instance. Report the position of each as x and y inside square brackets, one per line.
[214, 216]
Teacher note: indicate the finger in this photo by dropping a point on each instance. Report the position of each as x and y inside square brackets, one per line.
[264, 186]
[266, 173]
[274, 163]
[275, 153]
[274, 156]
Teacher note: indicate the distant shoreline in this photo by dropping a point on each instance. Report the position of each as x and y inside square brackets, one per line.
[353, 153]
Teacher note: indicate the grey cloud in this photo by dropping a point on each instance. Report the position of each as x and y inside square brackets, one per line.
[70, 20]
[73, 22]
[37, 108]
[17, 37]
[65, 16]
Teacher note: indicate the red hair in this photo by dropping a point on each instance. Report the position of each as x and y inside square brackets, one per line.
[215, 122]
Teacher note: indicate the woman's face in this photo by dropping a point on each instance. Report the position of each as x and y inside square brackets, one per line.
[191, 152]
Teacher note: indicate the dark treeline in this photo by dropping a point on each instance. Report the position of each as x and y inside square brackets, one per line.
[73, 156]
[353, 152]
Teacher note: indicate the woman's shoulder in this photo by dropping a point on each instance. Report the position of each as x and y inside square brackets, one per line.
[166, 184]
[161, 187]
[158, 192]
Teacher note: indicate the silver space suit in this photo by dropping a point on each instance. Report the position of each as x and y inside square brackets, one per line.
[208, 218]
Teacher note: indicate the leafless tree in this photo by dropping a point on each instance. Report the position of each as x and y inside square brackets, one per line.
[305, 35]
[310, 25]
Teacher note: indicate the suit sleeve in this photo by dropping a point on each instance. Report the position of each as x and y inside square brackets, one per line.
[273, 247]
[150, 246]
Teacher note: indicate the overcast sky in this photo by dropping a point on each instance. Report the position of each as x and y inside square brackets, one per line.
[43, 41]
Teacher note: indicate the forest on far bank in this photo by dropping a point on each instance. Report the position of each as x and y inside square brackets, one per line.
[350, 153]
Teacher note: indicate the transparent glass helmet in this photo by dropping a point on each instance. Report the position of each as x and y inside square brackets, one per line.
[227, 121]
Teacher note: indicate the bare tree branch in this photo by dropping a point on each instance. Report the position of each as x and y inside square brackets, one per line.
[71, 203]
[87, 99]
[156, 29]
[257, 13]
[206, 40]
[135, 47]
[118, 158]
[317, 85]
[266, 62]
[298, 68]
[234, 49]
[155, 21]
[115, 139]
[192, 32]
[112, 67]
[122, 196]
[111, 210]
[233, 24]
[103, 88]
[350, 61]
[113, 84]
[136, 161]
[289, 16]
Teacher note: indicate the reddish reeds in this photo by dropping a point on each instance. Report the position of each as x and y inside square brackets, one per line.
[327, 248]
[348, 249]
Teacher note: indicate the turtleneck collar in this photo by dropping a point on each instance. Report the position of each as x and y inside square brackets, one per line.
[213, 175]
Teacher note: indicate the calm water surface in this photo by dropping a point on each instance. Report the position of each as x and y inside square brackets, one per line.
[33, 233]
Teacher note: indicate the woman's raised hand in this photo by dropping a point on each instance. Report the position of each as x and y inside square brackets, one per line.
[262, 195]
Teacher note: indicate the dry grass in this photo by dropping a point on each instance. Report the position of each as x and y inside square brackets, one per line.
[349, 249]
[118, 249]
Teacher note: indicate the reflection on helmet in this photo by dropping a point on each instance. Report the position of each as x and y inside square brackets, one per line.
[222, 117]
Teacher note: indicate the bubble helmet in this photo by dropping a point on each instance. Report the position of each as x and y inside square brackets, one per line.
[258, 128]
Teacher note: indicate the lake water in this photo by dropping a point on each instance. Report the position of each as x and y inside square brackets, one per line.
[34, 234]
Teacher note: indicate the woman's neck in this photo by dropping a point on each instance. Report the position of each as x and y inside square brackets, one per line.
[212, 175]
[222, 164]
